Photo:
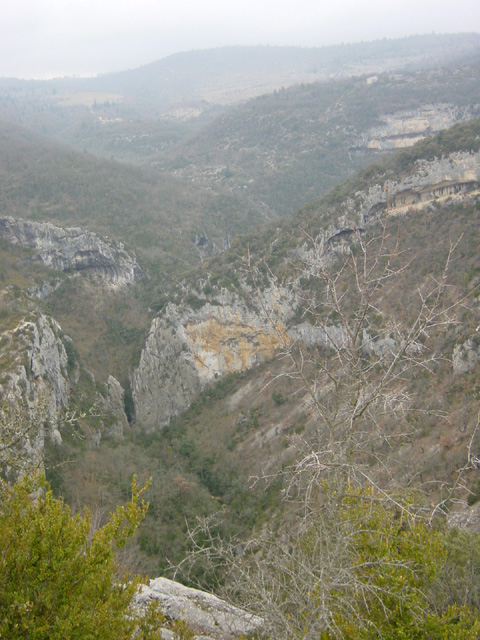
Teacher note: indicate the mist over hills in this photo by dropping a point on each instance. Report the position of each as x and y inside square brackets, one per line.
[287, 148]
[232, 74]
[176, 96]
[223, 216]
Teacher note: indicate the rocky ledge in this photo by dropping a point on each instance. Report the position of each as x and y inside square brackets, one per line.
[72, 249]
[405, 128]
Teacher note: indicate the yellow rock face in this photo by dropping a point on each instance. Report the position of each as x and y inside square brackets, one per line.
[230, 344]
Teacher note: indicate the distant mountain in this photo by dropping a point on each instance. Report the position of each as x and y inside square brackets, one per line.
[228, 75]
[288, 147]
[192, 86]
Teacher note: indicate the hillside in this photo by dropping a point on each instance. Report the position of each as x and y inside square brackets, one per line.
[287, 148]
[158, 330]
[230, 75]
[157, 216]
[299, 382]
[169, 225]
[137, 114]
[216, 368]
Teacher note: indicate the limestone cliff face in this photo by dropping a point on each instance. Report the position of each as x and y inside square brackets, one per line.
[113, 402]
[454, 176]
[187, 349]
[34, 378]
[72, 249]
[405, 128]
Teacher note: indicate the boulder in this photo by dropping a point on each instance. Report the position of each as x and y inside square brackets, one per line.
[208, 615]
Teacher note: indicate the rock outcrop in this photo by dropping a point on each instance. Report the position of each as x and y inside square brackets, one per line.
[188, 349]
[72, 249]
[466, 356]
[35, 379]
[114, 404]
[207, 248]
[203, 612]
[454, 176]
[405, 128]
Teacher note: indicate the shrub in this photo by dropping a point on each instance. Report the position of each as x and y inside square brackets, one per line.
[58, 579]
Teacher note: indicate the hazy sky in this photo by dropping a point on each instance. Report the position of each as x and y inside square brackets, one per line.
[45, 38]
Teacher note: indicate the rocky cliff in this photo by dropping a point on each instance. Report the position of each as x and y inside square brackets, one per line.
[189, 347]
[34, 381]
[72, 249]
[466, 356]
[405, 128]
[454, 176]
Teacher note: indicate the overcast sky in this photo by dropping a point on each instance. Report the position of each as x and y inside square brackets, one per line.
[47, 38]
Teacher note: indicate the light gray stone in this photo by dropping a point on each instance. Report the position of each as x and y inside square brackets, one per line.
[466, 356]
[72, 249]
[404, 128]
[202, 611]
[114, 402]
[37, 380]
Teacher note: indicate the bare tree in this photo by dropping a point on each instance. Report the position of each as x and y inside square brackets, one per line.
[353, 357]
[355, 361]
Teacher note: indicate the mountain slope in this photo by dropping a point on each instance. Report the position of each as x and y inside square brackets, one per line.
[232, 74]
[236, 408]
[157, 216]
[288, 148]
[170, 226]
[137, 114]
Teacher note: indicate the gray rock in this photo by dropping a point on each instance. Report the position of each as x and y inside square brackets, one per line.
[405, 128]
[461, 167]
[466, 356]
[37, 380]
[467, 518]
[114, 402]
[72, 249]
[188, 349]
[202, 611]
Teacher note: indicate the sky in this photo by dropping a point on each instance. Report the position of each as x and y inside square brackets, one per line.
[51, 38]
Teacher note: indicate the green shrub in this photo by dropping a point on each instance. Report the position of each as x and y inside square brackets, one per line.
[58, 579]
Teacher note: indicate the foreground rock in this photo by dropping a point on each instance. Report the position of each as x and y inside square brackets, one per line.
[207, 615]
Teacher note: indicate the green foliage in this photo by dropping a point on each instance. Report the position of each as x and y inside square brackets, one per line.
[58, 579]
[395, 558]
[362, 566]
[278, 398]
